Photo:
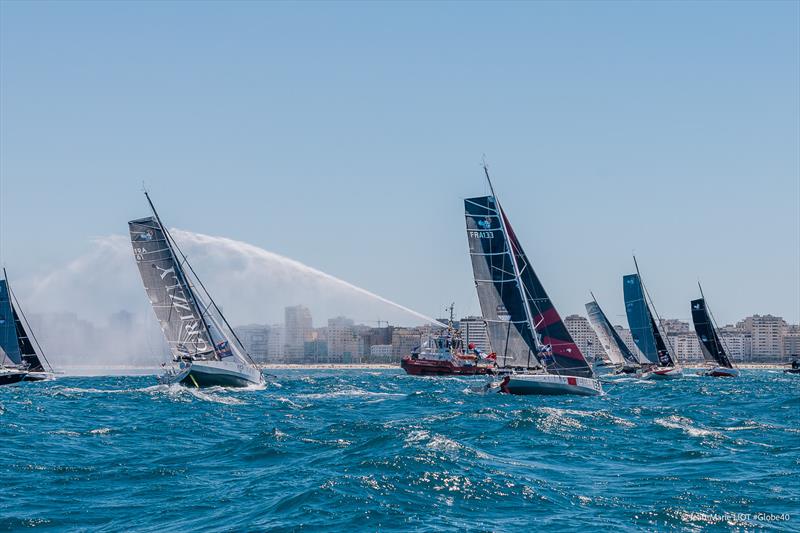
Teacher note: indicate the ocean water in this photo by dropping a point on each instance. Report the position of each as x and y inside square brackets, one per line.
[379, 450]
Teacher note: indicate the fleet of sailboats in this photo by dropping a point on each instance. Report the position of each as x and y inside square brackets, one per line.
[532, 352]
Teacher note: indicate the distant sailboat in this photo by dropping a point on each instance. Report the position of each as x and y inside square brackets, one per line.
[710, 342]
[661, 363]
[205, 349]
[534, 350]
[19, 354]
[623, 359]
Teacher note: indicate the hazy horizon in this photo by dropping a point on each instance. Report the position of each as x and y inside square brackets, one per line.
[346, 136]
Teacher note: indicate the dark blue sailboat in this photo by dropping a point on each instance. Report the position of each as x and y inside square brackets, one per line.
[17, 353]
[648, 337]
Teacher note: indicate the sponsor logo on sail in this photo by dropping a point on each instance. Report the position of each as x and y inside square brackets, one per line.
[485, 223]
[502, 313]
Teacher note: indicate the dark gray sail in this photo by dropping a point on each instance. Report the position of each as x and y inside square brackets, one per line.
[9, 341]
[499, 293]
[177, 308]
[710, 343]
[524, 328]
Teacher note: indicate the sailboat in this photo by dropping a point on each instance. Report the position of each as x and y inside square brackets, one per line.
[535, 352]
[710, 342]
[205, 349]
[648, 337]
[622, 358]
[19, 354]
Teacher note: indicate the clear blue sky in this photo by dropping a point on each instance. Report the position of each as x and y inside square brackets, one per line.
[345, 135]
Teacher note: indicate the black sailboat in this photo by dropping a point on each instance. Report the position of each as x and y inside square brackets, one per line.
[205, 349]
[711, 343]
[535, 352]
[19, 354]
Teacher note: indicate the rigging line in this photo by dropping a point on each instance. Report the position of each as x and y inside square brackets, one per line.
[25, 318]
[673, 355]
[196, 277]
[715, 326]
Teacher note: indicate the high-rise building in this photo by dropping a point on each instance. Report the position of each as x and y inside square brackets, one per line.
[255, 339]
[584, 336]
[791, 342]
[767, 333]
[473, 330]
[344, 343]
[404, 340]
[275, 343]
[686, 347]
[299, 329]
[673, 326]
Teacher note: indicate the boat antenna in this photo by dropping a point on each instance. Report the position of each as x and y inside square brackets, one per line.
[208, 295]
[668, 342]
[21, 312]
[517, 274]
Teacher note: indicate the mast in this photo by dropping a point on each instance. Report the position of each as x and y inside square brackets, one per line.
[170, 243]
[665, 337]
[517, 274]
[714, 323]
[168, 239]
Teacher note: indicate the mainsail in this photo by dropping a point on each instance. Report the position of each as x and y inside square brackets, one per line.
[9, 341]
[26, 348]
[710, 343]
[523, 325]
[194, 328]
[644, 329]
[612, 343]
[174, 302]
[499, 292]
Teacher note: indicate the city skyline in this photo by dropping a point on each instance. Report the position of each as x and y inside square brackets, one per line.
[335, 146]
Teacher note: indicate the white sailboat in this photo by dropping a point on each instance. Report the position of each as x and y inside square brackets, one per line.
[535, 352]
[205, 349]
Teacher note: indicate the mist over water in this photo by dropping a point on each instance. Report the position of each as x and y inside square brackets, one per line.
[93, 311]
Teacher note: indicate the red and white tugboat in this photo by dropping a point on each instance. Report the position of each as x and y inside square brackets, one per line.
[443, 354]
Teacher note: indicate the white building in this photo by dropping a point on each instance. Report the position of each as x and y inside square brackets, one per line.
[255, 339]
[380, 352]
[686, 347]
[473, 330]
[583, 335]
[275, 343]
[299, 329]
[767, 334]
[344, 343]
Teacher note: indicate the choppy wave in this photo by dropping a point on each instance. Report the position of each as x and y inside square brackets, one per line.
[338, 450]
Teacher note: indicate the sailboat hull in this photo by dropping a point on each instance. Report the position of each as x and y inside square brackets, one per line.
[214, 374]
[39, 376]
[722, 372]
[7, 377]
[670, 372]
[550, 384]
